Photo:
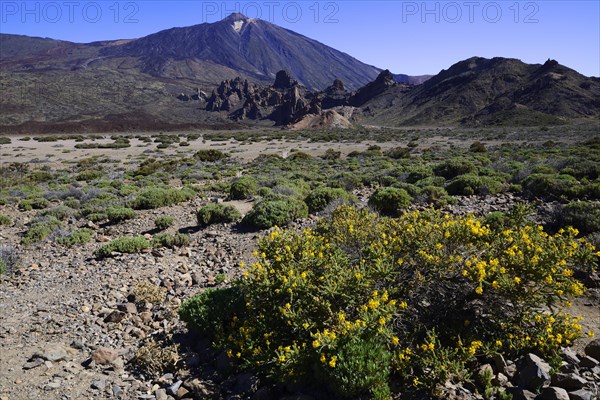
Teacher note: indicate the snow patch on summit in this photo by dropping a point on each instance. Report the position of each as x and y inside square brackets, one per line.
[237, 26]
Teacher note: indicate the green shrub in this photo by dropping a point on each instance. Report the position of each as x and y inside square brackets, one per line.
[35, 203]
[170, 241]
[61, 212]
[210, 155]
[552, 186]
[469, 184]
[96, 217]
[454, 167]
[389, 201]
[127, 244]
[4, 140]
[275, 210]
[582, 215]
[299, 155]
[78, 237]
[217, 214]
[208, 311]
[156, 197]
[418, 172]
[39, 230]
[331, 154]
[119, 214]
[5, 219]
[320, 198]
[477, 147]
[163, 222]
[436, 195]
[242, 188]
[363, 304]
[89, 175]
[398, 152]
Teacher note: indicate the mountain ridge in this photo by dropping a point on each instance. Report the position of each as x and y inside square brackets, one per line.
[168, 77]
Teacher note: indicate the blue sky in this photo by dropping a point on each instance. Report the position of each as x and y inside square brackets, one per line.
[411, 37]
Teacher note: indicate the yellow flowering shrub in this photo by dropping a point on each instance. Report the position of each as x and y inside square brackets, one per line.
[417, 298]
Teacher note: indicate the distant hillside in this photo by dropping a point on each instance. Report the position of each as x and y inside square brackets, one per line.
[476, 91]
[166, 81]
[496, 91]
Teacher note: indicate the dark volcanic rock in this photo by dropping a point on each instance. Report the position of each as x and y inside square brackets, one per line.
[384, 81]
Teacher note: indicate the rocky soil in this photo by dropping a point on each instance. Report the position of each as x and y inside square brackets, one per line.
[75, 327]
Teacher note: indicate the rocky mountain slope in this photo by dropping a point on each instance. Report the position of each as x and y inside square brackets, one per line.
[497, 91]
[164, 81]
[472, 92]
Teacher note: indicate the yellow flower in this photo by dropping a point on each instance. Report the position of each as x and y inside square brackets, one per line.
[316, 344]
[323, 358]
[517, 280]
[479, 290]
[591, 334]
[431, 346]
[358, 276]
[395, 340]
[242, 264]
[282, 358]
[381, 321]
[403, 305]
[332, 361]
[495, 284]
[498, 343]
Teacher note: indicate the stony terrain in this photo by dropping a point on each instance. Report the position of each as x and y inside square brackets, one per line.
[76, 327]
[72, 324]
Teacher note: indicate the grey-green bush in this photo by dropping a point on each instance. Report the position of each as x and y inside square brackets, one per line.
[127, 244]
[389, 201]
[275, 210]
[242, 188]
[217, 214]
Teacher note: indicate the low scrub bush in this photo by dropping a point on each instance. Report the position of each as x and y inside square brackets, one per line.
[243, 188]
[275, 210]
[119, 214]
[320, 198]
[551, 186]
[217, 214]
[170, 241]
[146, 292]
[89, 175]
[5, 220]
[454, 167]
[389, 201]
[469, 184]
[40, 229]
[35, 203]
[364, 303]
[127, 244]
[77, 238]
[418, 172]
[157, 197]
[582, 215]
[61, 212]
[210, 155]
[163, 222]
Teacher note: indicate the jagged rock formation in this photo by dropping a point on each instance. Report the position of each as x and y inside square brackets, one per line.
[287, 102]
